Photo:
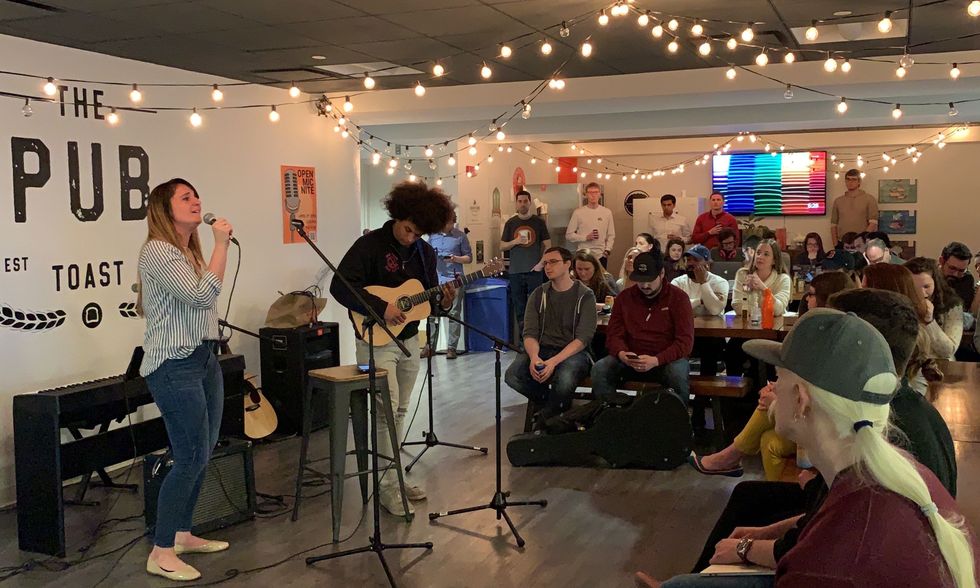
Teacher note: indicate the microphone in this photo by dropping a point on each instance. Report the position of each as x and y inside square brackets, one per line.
[210, 218]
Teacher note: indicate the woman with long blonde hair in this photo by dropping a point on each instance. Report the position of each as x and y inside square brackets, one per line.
[178, 296]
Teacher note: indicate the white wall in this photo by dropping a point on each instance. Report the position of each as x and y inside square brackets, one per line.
[233, 160]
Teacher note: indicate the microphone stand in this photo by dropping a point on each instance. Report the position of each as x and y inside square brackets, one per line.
[375, 542]
[499, 502]
[430, 438]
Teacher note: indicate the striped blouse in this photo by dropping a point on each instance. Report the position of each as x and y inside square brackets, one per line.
[180, 307]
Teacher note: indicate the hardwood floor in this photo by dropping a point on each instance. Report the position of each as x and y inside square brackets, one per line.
[599, 525]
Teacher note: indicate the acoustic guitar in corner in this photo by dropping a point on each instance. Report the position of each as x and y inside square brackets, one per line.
[260, 418]
[414, 300]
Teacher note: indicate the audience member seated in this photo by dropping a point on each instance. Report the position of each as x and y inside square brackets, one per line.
[758, 435]
[877, 251]
[559, 322]
[767, 273]
[644, 242]
[650, 334]
[850, 242]
[624, 281]
[841, 260]
[587, 270]
[708, 294]
[812, 253]
[673, 262]
[847, 432]
[955, 263]
[748, 249]
[727, 249]
[944, 309]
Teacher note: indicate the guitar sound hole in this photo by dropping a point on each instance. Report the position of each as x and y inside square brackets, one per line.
[404, 305]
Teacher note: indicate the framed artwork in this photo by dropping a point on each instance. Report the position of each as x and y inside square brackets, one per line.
[904, 249]
[896, 222]
[898, 191]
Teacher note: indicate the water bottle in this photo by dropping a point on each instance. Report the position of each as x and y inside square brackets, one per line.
[768, 310]
[755, 313]
[802, 461]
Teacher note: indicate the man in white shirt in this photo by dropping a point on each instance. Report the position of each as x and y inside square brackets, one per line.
[591, 226]
[671, 224]
[708, 294]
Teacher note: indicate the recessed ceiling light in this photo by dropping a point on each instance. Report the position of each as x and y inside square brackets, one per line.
[319, 57]
[843, 13]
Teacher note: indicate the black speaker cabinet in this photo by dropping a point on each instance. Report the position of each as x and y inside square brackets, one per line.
[227, 494]
[287, 354]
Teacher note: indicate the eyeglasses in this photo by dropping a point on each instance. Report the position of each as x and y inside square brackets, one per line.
[553, 261]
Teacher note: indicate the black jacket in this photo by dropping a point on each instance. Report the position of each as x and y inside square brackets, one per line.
[377, 259]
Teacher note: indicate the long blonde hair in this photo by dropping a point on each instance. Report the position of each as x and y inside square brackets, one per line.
[160, 227]
[634, 251]
[880, 461]
[777, 257]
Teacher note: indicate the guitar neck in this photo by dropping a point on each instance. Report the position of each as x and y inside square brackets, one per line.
[459, 282]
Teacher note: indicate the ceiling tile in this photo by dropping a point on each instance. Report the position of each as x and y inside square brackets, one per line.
[406, 51]
[351, 30]
[273, 13]
[259, 38]
[182, 18]
[85, 28]
[401, 6]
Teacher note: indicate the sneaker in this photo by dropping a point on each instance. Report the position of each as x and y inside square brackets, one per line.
[451, 353]
[391, 501]
[414, 493]
[426, 352]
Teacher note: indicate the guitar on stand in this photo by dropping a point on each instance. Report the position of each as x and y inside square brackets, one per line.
[413, 300]
[260, 418]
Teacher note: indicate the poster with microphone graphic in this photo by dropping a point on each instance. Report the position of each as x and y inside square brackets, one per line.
[298, 201]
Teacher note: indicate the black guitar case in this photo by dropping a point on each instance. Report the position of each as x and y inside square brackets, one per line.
[654, 432]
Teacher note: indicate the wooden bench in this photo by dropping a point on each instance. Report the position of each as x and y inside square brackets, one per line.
[713, 387]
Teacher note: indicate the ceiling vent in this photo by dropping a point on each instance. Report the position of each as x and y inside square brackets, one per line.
[848, 32]
[377, 69]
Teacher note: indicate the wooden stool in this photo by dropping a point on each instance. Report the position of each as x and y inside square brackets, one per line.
[341, 383]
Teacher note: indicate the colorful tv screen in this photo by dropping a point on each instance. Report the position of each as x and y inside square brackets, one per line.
[772, 184]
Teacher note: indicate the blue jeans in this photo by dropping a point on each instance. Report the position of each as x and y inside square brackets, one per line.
[521, 286]
[190, 395]
[699, 581]
[556, 393]
[608, 373]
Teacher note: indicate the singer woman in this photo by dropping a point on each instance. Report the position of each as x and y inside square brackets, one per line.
[178, 297]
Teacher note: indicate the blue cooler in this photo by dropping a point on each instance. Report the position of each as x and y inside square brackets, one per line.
[486, 307]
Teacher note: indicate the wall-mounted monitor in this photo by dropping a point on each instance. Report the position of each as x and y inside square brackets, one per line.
[777, 183]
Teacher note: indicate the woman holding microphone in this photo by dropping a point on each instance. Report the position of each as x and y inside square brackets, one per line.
[178, 297]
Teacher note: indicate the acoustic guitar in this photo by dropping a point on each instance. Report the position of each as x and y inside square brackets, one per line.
[414, 300]
[260, 418]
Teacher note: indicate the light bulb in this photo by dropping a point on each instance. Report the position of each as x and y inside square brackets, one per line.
[672, 24]
[391, 171]
[375, 158]
[885, 24]
[506, 51]
[564, 31]
[432, 164]
[451, 161]
[273, 114]
[490, 159]
[472, 151]
[673, 46]
[762, 59]
[534, 160]
[525, 113]
[586, 49]
[897, 111]
[657, 31]
[603, 18]
[643, 20]
[697, 30]
[344, 133]
[941, 144]
[748, 34]
[439, 182]
[790, 57]
[900, 72]
[392, 163]
[863, 174]
[527, 148]
[293, 91]
[438, 70]
[830, 65]
[598, 160]
[846, 66]
[768, 147]
[348, 105]
[788, 94]
[906, 61]
[559, 84]
[28, 112]
[196, 119]
[704, 48]
[112, 118]
[732, 44]
[885, 169]
[368, 82]
[341, 121]
[954, 72]
[50, 88]
[812, 33]
[952, 109]
[973, 9]
[471, 140]
[842, 105]
[731, 73]
[428, 151]
[546, 48]
[551, 160]
[216, 94]
[411, 178]
[501, 136]
[135, 95]
[836, 175]
[419, 89]
[486, 72]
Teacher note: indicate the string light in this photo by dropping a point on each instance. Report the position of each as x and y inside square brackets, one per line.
[812, 33]
[731, 73]
[135, 95]
[412, 178]
[897, 111]
[603, 18]
[973, 9]
[345, 133]
[419, 89]
[657, 31]
[732, 44]
[697, 30]
[546, 48]
[27, 111]
[900, 72]
[348, 105]
[485, 71]
[392, 163]
[196, 119]
[273, 114]
[830, 64]
[526, 112]
[673, 46]
[846, 66]
[375, 157]
[643, 20]
[428, 151]
[50, 89]
[954, 72]
[216, 94]
[842, 105]
[438, 70]
[391, 171]
[534, 160]
[564, 31]
[952, 110]
[885, 24]
[293, 91]
[748, 34]
[471, 140]
[672, 24]
[472, 151]
[762, 59]
[439, 182]
[906, 60]
[368, 82]
[451, 161]
[790, 57]
[788, 94]
[112, 118]
[704, 48]
[527, 148]
[586, 49]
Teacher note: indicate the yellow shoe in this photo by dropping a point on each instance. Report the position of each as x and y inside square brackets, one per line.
[209, 547]
[185, 573]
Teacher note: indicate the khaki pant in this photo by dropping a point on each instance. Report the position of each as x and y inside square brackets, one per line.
[759, 436]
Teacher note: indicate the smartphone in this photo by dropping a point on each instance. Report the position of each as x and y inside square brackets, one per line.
[363, 368]
[631, 355]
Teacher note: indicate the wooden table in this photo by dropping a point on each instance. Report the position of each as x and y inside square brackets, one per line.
[957, 398]
[729, 326]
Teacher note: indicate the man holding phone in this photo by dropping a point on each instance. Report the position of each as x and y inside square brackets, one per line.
[650, 333]
[452, 251]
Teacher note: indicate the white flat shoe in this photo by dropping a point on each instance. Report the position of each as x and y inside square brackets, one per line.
[185, 573]
[209, 547]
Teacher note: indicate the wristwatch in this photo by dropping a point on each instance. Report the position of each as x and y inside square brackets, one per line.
[742, 549]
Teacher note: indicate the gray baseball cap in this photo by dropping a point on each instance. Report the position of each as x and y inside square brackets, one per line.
[836, 351]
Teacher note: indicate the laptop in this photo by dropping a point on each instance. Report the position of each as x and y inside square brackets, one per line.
[726, 269]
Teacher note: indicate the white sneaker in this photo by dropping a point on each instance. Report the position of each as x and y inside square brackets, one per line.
[391, 500]
[414, 493]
